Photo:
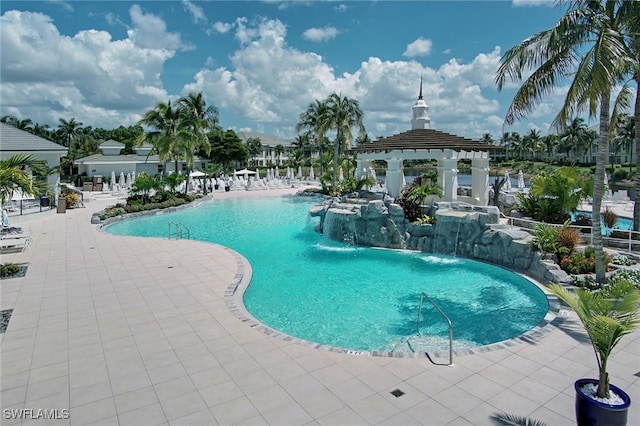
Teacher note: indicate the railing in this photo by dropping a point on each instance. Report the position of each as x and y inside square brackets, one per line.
[422, 297]
[631, 243]
[180, 231]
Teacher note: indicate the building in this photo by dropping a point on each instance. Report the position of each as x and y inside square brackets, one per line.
[268, 157]
[15, 141]
[111, 160]
[424, 143]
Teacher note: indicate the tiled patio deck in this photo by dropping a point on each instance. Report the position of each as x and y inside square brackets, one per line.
[136, 331]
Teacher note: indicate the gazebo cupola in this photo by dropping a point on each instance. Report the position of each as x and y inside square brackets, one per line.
[420, 118]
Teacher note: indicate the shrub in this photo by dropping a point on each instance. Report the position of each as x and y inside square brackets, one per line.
[583, 262]
[621, 174]
[589, 283]
[568, 238]
[545, 239]
[9, 269]
[620, 259]
[426, 220]
[71, 199]
[609, 217]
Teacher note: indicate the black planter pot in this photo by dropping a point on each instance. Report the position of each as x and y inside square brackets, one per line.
[216, 186]
[590, 412]
[227, 188]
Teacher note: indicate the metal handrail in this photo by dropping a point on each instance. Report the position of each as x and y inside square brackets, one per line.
[422, 296]
[180, 232]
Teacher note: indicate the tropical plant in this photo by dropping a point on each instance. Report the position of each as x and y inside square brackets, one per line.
[173, 180]
[569, 238]
[342, 115]
[609, 217]
[545, 239]
[565, 187]
[607, 316]
[581, 262]
[587, 46]
[413, 195]
[14, 175]
[144, 185]
[71, 199]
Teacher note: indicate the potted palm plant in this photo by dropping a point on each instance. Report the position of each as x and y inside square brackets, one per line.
[607, 314]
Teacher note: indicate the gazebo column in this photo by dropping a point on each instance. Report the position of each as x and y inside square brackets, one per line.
[363, 169]
[480, 181]
[450, 178]
[395, 177]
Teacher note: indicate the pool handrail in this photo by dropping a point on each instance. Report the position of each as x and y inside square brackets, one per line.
[180, 232]
[422, 297]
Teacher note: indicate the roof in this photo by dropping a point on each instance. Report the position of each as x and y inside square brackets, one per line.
[264, 138]
[116, 159]
[112, 144]
[14, 139]
[424, 139]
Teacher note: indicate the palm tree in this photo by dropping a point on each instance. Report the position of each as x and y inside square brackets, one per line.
[550, 143]
[487, 138]
[342, 114]
[14, 175]
[586, 46]
[625, 134]
[531, 143]
[197, 120]
[312, 120]
[165, 130]
[68, 130]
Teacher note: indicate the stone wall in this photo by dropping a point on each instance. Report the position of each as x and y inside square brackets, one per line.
[460, 230]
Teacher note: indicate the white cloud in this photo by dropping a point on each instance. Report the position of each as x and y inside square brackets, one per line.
[89, 76]
[419, 47]
[196, 12]
[341, 8]
[221, 27]
[321, 34]
[533, 2]
[150, 31]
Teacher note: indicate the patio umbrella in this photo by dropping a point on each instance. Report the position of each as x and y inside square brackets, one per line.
[507, 183]
[257, 174]
[341, 175]
[277, 175]
[128, 180]
[520, 180]
[113, 180]
[299, 172]
[311, 175]
[121, 181]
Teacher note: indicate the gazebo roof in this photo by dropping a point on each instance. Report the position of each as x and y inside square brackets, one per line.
[424, 139]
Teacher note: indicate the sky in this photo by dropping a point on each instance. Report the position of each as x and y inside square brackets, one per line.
[261, 63]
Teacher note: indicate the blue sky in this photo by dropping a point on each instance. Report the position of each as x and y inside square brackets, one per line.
[105, 63]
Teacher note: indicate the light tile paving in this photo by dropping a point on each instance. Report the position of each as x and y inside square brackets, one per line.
[125, 330]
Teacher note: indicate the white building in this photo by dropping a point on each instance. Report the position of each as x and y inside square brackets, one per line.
[268, 157]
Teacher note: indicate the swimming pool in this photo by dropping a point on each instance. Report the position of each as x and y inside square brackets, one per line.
[353, 297]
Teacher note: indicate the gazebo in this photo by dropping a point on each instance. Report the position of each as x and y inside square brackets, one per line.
[423, 143]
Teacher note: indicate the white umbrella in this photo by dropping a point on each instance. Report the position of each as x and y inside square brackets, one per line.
[113, 180]
[373, 175]
[299, 172]
[133, 176]
[121, 180]
[341, 175]
[257, 174]
[277, 175]
[507, 183]
[311, 175]
[520, 180]
[128, 180]
[5, 217]
[196, 173]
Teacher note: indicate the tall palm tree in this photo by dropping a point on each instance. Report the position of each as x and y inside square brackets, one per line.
[487, 138]
[531, 143]
[586, 46]
[164, 132]
[278, 150]
[312, 120]
[342, 115]
[197, 120]
[68, 130]
[625, 134]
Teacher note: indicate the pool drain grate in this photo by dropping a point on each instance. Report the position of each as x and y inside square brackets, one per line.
[397, 393]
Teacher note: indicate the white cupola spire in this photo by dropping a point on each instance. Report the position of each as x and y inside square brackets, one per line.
[420, 118]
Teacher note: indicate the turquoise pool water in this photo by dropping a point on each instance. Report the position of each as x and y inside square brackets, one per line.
[351, 297]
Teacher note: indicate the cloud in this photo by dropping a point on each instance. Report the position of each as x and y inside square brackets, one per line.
[341, 8]
[65, 5]
[221, 27]
[547, 3]
[419, 47]
[320, 34]
[89, 76]
[196, 12]
[150, 31]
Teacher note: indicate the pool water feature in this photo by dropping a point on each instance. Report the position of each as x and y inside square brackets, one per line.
[354, 297]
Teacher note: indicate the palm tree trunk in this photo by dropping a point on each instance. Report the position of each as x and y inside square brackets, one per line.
[636, 208]
[598, 186]
[336, 155]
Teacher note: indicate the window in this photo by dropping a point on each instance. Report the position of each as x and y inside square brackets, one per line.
[159, 168]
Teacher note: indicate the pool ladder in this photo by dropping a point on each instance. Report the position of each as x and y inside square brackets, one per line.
[426, 296]
[180, 231]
